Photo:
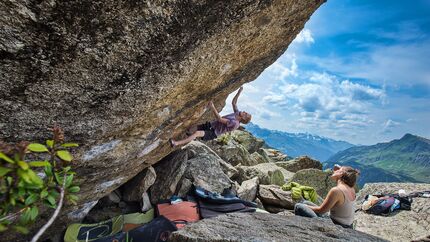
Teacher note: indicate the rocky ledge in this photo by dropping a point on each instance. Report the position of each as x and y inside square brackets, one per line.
[399, 226]
[266, 227]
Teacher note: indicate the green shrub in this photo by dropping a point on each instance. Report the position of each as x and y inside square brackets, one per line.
[224, 139]
[32, 176]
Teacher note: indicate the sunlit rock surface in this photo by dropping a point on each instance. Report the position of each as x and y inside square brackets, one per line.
[266, 227]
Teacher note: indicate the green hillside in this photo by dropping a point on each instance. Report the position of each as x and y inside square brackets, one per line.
[403, 160]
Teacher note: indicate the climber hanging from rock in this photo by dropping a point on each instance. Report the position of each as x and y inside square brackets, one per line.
[222, 124]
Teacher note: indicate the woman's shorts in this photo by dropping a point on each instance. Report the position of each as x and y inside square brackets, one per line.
[209, 131]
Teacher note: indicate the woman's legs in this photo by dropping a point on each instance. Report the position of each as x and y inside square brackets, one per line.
[198, 133]
[303, 210]
[191, 130]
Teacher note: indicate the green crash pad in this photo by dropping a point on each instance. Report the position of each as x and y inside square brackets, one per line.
[90, 232]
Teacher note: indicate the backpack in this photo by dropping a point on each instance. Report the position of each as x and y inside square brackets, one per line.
[382, 206]
[227, 197]
[405, 202]
[210, 210]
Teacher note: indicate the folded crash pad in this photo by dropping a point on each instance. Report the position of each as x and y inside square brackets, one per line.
[91, 232]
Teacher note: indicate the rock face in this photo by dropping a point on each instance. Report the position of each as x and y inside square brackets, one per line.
[259, 158]
[247, 140]
[121, 77]
[232, 151]
[264, 227]
[204, 169]
[318, 179]
[248, 189]
[195, 164]
[172, 167]
[275, 155]
[402, 225]
[274, 196]
[300, 163]
[239, 148]
[268, 173]
[137, 186]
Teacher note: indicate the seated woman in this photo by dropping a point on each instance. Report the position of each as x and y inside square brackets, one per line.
[339, 201]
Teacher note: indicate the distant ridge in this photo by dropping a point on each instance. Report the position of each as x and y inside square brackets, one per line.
[320, 148]
[401, 160]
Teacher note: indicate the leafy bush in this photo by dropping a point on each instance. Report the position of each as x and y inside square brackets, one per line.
[33, 176]
[224, 139]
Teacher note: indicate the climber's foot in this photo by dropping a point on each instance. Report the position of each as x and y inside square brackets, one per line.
[172, 143]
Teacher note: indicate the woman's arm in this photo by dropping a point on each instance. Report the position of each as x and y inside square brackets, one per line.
[329, 202]
[215, 112]
[234, 102]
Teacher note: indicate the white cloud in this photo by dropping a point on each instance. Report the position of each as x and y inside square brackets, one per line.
[274, 98]
[280, 71]
[405, 31]
[381, 64]
[388, 125]
[305, 36]
[288, 88]
[322, 78]
[326, 101]
[361, 92]
[285, 97]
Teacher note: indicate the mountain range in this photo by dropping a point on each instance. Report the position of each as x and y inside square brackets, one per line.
[298, 144]
[401, 160]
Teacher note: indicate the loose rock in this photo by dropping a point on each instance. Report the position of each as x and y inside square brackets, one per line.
[300, 163]
[248, 189]
[169, 172]
[138, 185]
[231, 151]
[259, 158]
[276, 155]
[247, 140]
[205, 169]
[274, 196]
[268, 173]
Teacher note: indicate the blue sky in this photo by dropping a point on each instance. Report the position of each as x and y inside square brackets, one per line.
[359, 71]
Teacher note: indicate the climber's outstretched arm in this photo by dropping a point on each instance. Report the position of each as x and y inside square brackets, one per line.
[234, 102]
[217, 115]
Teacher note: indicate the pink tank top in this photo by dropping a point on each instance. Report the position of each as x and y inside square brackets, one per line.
[231, 125]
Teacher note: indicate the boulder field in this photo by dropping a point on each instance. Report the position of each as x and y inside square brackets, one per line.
[278, 223]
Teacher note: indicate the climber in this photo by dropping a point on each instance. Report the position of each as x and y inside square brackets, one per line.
[339, 201]
[211, 130]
